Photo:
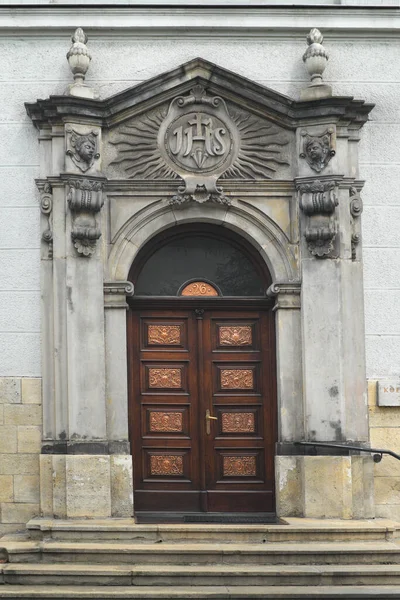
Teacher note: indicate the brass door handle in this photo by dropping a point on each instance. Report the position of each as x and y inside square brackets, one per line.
[209, 418]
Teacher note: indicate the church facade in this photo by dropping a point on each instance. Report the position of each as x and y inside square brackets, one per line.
[206, 224]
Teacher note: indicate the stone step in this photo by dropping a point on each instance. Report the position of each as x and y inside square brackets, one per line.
[199, 576]
[13, 592]
[273, 553]
[305, 530]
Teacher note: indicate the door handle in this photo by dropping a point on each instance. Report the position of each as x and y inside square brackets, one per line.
[209, 418]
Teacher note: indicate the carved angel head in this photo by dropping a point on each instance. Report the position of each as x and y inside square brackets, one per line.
[318, 150]
[83, 149]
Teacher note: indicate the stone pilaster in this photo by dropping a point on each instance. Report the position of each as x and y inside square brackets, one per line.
[289, 367]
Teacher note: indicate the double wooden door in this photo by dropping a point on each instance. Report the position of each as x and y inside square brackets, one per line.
[202, 410]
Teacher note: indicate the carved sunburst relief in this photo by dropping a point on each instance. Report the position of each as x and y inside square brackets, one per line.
[260, 148]
[200, 134]
[138, 151]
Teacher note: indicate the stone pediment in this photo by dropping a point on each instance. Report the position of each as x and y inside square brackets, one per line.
[197, 124]
[278, 108]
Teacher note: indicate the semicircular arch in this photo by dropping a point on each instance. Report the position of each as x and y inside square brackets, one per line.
[261, 232]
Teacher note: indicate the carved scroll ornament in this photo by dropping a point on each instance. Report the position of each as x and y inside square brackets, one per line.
[320, 239]
[318, 201]
[317, 197]
[46, 208]
[356, 208]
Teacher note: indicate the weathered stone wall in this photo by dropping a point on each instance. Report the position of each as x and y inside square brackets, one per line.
[384, 424]
[20, 441]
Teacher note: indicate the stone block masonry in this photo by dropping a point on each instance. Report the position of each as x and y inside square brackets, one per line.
[20, 441]
[384, 422]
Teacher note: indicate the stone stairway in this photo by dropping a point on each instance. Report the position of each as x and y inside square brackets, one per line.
[120, 559]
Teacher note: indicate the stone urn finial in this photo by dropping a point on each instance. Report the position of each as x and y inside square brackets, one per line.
[79, 60]
[315, 59]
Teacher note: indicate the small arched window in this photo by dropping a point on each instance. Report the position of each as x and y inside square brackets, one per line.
[199, 264]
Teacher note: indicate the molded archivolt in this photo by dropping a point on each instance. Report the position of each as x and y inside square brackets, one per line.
[262, 233]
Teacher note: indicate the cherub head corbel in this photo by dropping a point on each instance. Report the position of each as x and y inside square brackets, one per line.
[83, 149]
[318, 149]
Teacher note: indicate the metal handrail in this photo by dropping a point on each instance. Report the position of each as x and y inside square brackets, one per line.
[377, 453]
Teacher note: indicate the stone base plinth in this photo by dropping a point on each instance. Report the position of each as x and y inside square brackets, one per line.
[86, 486]
[325, 487]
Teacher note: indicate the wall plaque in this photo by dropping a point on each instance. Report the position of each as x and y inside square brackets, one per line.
[389, 392]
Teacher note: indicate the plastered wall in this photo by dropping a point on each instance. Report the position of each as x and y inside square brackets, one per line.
[37, 68]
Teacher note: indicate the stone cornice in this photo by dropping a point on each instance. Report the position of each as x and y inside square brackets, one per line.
[236, 187]
[259, 99]
[194, 22]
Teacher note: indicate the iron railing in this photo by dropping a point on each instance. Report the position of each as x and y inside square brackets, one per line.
[377, 453]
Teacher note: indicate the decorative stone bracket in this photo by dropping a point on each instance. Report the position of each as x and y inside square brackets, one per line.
[85, 199]
[318, 201]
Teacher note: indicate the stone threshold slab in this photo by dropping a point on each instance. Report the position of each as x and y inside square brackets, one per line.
[197, 548]
[226, 592]
[294, 524]
[165, 570]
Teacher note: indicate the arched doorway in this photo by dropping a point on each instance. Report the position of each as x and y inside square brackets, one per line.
[202, 377]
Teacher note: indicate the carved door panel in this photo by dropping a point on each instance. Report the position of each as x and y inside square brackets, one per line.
[164, 410]
[202, 421]
[239, 392]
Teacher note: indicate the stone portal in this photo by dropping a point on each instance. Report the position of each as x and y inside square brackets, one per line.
[202, 145]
